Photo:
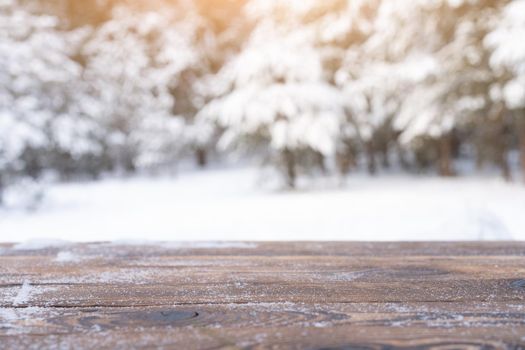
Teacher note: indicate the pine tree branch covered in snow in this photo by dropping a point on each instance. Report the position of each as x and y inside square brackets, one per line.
[306, 87]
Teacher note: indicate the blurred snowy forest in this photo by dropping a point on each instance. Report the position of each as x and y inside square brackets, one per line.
[306, 87]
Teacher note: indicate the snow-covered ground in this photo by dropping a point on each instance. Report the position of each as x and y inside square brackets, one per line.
[231, 205]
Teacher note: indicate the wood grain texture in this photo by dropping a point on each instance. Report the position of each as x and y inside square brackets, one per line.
[263, 295]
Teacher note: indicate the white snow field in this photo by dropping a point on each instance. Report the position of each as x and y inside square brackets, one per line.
[232, 205]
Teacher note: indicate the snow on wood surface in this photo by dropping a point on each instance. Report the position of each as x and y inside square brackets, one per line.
[23, 295]
[271, 295]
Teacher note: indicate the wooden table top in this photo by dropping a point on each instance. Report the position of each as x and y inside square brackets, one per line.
[263, 295]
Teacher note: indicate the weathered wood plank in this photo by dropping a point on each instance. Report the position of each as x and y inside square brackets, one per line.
[129, 294]
[264, 295]
[286, 325]
[366, 249]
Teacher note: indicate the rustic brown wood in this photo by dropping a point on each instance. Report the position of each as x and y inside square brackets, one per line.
[263, 295]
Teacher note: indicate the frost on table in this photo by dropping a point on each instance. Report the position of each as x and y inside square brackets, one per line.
[281, 295]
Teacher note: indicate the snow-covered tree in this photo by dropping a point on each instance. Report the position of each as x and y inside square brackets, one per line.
[333, 29]
[116, 85]
[423, 68]
[508, 62]
[132, 62]
[211, 44]
[276, 99]
[39, 122]
[374, 91]
[379, 68]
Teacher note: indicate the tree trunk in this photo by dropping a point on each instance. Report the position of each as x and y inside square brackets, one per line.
[480, 159]
[345, 162]
[385, 154]
[290, 168]
[445, 156]
[129, 164]
[320, 162]
[346, 159]
[504, 164]
[288, 159]
[201, 157]
[502, 148]
[522, 146]
[401, 155]
[371, 157]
